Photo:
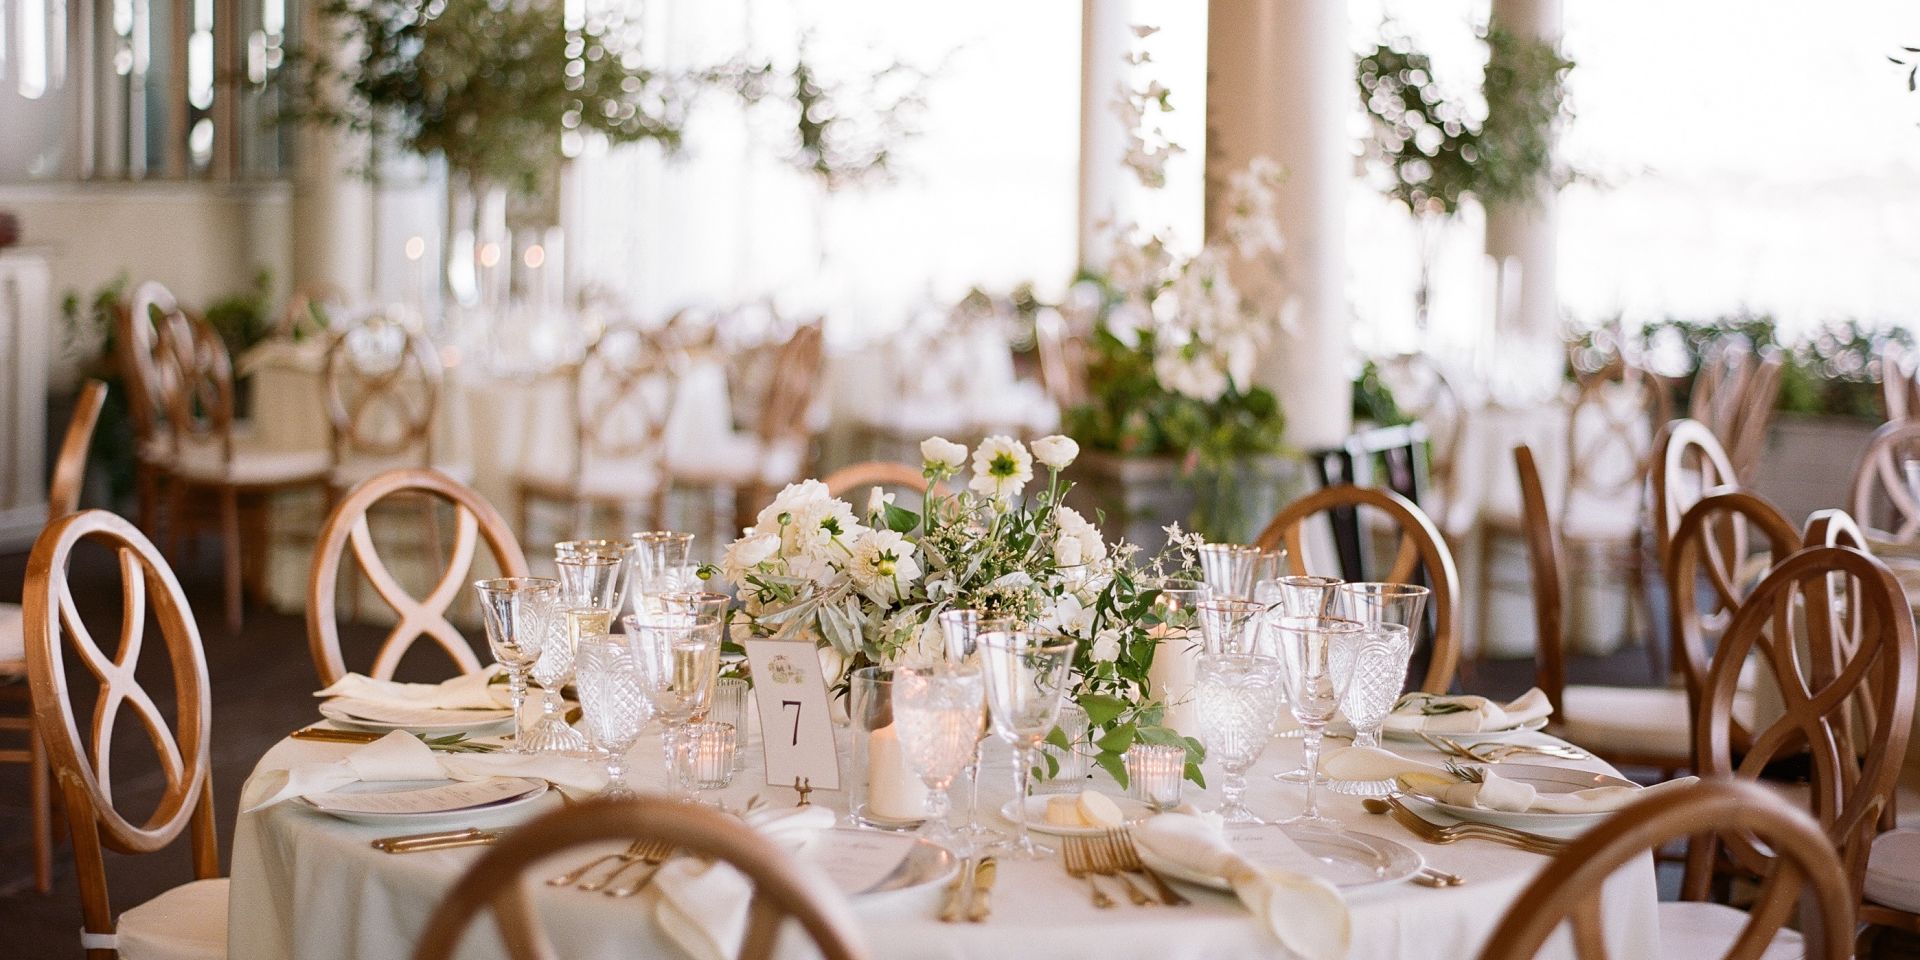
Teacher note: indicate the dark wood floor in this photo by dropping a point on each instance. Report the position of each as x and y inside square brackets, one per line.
[263, 681]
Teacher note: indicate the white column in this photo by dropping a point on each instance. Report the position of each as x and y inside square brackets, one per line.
[1526, 232]
[332, 202]
[1281, 79]
[1105, 35]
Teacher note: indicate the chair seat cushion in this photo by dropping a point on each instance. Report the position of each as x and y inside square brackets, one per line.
[188, 922]
[250, 466]
[353, 470]
[736, 459]
[617, 481]
[1696, 931]
[13, 636]
[1639, 721]
[1893, 870]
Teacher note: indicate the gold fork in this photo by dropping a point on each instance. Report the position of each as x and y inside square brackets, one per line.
[1106, 862]
[657, 853]
[633, 850]
[1074, 853]
[1121, 840]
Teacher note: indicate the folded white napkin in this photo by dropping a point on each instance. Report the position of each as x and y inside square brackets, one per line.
[1307, 914]
[1495, 792]
[469, 691]
[1465, 714]
[702, 905]
[1372, 763]
[402, 756]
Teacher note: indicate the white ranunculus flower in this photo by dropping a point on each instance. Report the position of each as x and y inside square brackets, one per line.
[1068, 616]
[883, 565]
[1067, 552]
[939, 453]
[1001, 468]
[1073, 526]
[747, 553]
[1106, 647]
[1055, 451]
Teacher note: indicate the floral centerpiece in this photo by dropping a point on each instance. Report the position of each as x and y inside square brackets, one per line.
[869, 587]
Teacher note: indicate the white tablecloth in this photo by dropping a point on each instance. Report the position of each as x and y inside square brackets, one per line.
[308, 886]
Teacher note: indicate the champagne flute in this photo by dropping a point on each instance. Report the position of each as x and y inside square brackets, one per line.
[519, 615]
[679, 660]
[614, 705]
[962, 629]
[937, 710]
[1316, 681]
[1026, 674]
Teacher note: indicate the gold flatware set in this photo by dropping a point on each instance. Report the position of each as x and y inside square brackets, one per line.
[969, 894]
[1452, 833]
[1113, 855]
[642, 853]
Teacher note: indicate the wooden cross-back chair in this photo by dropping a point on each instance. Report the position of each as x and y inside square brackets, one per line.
[782, 888]
[1688, 463]
[186, 921]
[137, 336]
[347, 527]
[621, 400]
[1609, 438]
[381, 386]
[63, 497]
[854, 478]
[1420, 557]
[1808, 875]
[1733, 394]
[1855, 754]
[1639, 726]
[1886, 483]
[1899, 382]
[1063, 359]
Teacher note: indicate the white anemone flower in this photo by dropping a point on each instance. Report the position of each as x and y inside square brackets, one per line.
[883, 565]
[1002, 467]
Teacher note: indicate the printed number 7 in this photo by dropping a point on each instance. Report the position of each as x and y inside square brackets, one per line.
[795, 704]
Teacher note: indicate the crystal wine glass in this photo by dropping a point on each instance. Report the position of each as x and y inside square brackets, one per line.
[1230, 568]
[962, 630]
[695, 603]
[937, 710]
[1231, 626]
[679, 660]
[614, 705]
[519, 615]
[659, 564]
[1237, 695]
[1377, 658]
[1316, 681]
[590, 594]
[1373, 603]
[1302, 596]
[1026, 673]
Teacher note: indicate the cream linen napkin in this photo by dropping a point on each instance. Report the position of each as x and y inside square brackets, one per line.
[702, 905]
[1495, 792]
[402, 756]
[469, 691]
[1307, 914]
[1474, 715]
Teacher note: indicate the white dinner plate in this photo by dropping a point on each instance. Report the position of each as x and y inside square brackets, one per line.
[866, 863]
[1482, 736]
[472, 722]
[1348, 858]
[504, 794]
[1544, 779]
[1131, 812]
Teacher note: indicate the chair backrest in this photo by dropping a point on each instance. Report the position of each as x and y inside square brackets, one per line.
[1569, 890]
[1420, 551]
[1715, 547]
[1609, 439]
[1886, 483]
[70, 468]
[1899, 382]
[793, 388]
[1733, 394]
[1688, 463]
[878, 473]
[1543, 563]
[80, 759]
[140, 356]
[1063, 359]
[782, 887]
[1854, 763]
[381, 385]
[347, 524]
[623, 393]
[200, 408]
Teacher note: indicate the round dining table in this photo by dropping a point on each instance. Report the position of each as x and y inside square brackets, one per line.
[308, 886]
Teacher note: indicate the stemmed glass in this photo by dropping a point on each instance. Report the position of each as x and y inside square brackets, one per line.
[679, 659]
[1231, 626]
[694, 603]
[1377, 658]
[1374, 603]
[937, 710]
[614, 705]
[1231, 568]
[1026, 673]
[659, 566]
[1301, 596]
[590, 593]
[1316, 681]
[519, 615]
[962, 630]
[1238, 696]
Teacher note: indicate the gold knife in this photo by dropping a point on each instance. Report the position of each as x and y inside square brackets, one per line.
[982, 886]
[472, 836]
[955, 907]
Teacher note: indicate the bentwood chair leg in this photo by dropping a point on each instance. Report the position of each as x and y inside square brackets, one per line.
[230, 554]
[147, 486]
[40, 799]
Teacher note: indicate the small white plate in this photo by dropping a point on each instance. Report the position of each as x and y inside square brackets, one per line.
[1348, 859]
[1543, 779]
[472, 722]
[1482, 736]
[1131, 812]
[513, 793]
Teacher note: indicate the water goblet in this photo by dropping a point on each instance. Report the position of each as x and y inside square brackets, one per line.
[519, 615]
[1237, 696]
[659, 566]
[1231, 626]
[962, 629]
[1377, 658]
[680, 660]
[937, 710]
[614, 706]
[1230, 568]
[1373, 603]
[1316, 681]
[1026, 674]
[590, 593]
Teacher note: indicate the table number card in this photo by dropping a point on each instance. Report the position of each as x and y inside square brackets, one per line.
[795, 729]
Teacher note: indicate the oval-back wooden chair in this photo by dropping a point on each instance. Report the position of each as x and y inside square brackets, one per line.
[137, 334]
[1808, 875]
[1609, 438]
[63, 497]
[1688, 463]
[1420, 549]
[381, 388]
[1899, 382]
[1854, 764]
[1733, 394]
[853, 478]
[347, 526]
[1886, 483]
[782, 888]
[753, 466]
[1641, 726]
[187, 921]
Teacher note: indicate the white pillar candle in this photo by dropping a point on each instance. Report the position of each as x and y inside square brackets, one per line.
[894, 791]
[1175, 664]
